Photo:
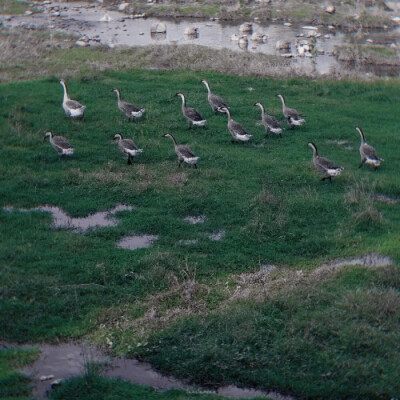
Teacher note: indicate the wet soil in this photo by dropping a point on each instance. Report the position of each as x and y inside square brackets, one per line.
[63, 361]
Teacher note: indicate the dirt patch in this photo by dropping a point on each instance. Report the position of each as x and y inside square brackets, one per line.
[136, 242]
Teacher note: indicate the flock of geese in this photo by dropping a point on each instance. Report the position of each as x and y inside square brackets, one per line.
[74, 109]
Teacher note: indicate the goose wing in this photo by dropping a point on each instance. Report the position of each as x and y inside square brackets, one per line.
[369, 152]
[292, 113]
[61, 142]
[186, 151]
[324, 164]
[129, 144]
[74, 104]
[128, 108]
[238, 129]
[193, 114]
[272, 122]
[217, 102]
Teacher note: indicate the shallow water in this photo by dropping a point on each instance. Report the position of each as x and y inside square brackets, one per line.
[83, 19]
[62, 220]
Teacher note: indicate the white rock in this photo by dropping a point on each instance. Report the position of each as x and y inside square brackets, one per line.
[123, 6]
[246, 27]
[158, 28]
[330, 9]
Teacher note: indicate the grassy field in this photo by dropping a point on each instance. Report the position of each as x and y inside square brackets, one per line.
[205, 310]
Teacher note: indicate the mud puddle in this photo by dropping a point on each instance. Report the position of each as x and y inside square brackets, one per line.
[136, 242]
[61, 220]
[63, 361]
[310, 48]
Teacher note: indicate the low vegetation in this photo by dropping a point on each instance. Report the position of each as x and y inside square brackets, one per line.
[252, 308]
[14, 384]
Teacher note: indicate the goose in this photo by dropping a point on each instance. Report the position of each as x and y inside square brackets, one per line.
[60, 144]
[184, 152]
[237, 130]
[191, 114]
[323, 165]
[127, 146]
[216, 102]
[270, 123]
[367, 152]
[72, 108]
[129, 109]
[292, 116]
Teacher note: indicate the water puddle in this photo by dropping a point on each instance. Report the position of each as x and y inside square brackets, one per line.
[195, 220]
[371, 260]
[386, 199]
[136, 242]
[61, 220]
[217, 236]
[310, 48]
[63, 361]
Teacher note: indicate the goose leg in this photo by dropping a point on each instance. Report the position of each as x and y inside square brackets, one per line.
[362, 162]
[195, 165]
[129, 160]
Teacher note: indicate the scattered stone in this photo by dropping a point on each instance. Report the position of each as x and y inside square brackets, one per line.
[28, 12]
[282, 45]
[330, 9]
[46, 377]
[158, 28]
[287, 24]
[246, 27]
[123, 6]
[55, 383]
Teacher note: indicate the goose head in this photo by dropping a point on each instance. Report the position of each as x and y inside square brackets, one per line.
[118, 136]
[259, 105]
[313, 146]
[47, 134]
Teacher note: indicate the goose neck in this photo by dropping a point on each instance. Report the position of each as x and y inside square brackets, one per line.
[207, 86]
[361, 134]
[66, 96]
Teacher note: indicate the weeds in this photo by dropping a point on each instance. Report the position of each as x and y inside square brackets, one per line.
[360, 197]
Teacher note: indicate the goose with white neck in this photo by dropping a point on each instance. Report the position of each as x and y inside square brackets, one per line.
[327, 167]
[129, 109]
[367, 152]
[184, 152]
[127, 147]
[238, 132]
[192, 116]
[72, 108]
[216, 102]
[60, 144]
[292, 116]
[270, 123]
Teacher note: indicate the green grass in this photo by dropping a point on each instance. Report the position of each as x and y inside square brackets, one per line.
[264, 194]
[13, 7]
[14, 384]
[88, 388]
